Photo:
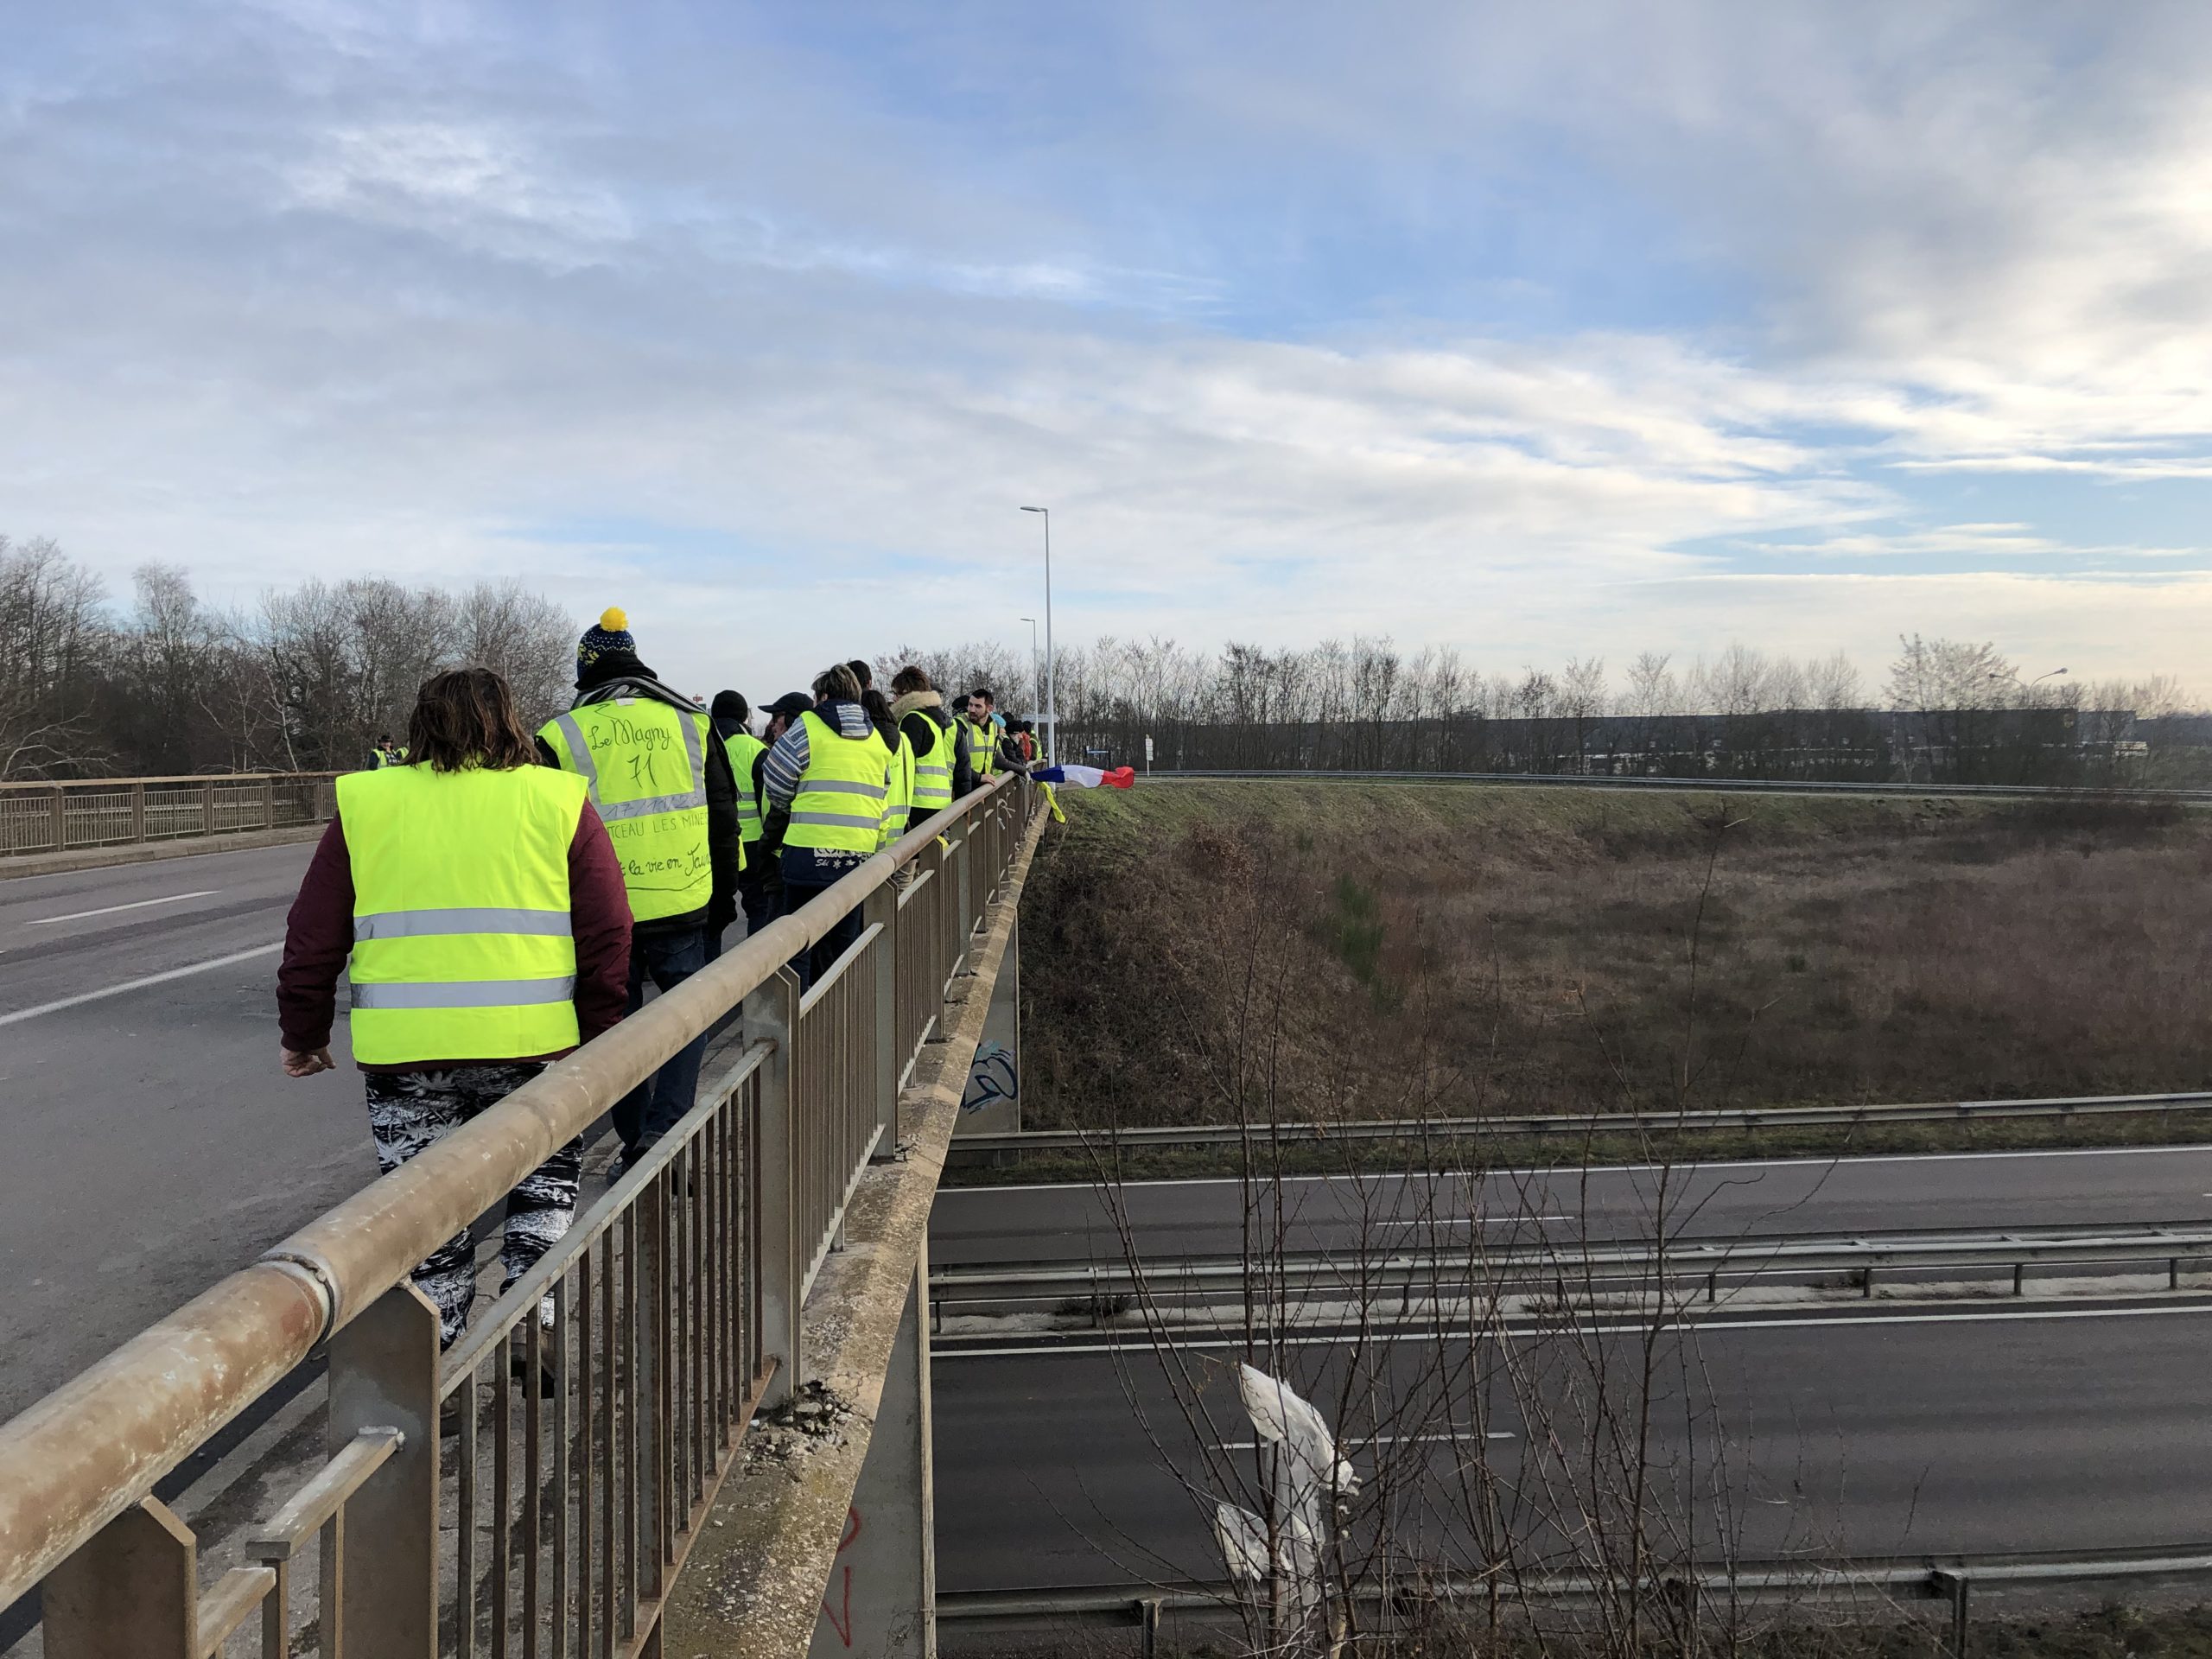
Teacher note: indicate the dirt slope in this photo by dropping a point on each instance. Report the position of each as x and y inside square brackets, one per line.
[1193, 951]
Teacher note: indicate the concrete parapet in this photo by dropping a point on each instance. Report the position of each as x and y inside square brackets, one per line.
[754, 1584]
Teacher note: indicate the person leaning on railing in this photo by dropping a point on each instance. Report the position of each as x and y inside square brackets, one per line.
[478, 898]
[928, 731]
[982, 731]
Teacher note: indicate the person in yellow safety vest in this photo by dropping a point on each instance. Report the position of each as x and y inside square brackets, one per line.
[983, 733]
[831, 772]
[474, 899]
[901, 778]
[387, 753]
[760, 887]
[928, 731]
[665, 787]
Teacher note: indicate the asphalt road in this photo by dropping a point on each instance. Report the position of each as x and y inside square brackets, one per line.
[153, 1144]
[975, 1225]
[1893, 1433]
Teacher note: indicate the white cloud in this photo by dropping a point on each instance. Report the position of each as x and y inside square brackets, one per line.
[773, 349]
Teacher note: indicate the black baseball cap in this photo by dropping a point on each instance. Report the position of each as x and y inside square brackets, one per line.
[792, 703]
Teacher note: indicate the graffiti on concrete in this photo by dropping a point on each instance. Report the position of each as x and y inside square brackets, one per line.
[990, 1078]
[841, 1583]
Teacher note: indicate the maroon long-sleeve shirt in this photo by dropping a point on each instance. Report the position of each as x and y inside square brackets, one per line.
[319, 937]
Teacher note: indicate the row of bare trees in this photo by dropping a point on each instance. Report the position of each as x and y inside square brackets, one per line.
[1951, 712]
[306, 679]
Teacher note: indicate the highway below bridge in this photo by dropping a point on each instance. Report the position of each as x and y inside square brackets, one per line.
[156, 1146]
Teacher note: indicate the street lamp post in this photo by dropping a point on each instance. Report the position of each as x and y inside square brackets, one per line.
[1036, 676]
[1052, 708]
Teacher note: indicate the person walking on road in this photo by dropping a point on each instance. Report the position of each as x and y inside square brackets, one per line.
[927, 729]
[665, 787]
[831, 770]
[474, 898]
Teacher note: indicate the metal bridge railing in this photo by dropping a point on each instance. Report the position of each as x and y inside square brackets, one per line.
[1321, 1279]
[115, 811]
[1503, 1125]
[595, 1409]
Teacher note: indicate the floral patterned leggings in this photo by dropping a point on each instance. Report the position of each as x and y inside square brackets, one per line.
[408, 1111]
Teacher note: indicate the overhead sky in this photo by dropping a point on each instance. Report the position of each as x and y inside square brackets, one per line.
[1539, 331]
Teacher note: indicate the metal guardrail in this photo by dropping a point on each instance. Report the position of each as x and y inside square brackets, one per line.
[1724, 785]
[1002, 1288]
[600, 1401]
[1581, 1123]
[1951, 1578]
[117, 812]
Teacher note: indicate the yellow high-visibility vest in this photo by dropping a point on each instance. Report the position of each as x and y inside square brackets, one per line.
[461, 943]
[900, 801]
[982, 748]
[840, 803]
[745, 748]
[645, 764]
[933, 772]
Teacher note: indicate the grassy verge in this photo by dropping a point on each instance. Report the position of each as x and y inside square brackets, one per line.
[1324, 1157]
[1273, 949]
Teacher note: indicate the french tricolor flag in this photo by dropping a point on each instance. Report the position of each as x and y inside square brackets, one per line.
[1088, 777]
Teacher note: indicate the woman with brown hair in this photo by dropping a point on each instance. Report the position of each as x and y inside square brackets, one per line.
[474, 898]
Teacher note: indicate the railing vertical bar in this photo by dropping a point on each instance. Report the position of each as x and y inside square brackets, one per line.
[696, 1325]
[275, 1608]
[708, 1260]
[672, 1461]
[704, 1265]
[502, 1498]
[725, 1262]
[563, 1426]
[533, 1454]
[610, 1587]
[465, 1398]
[668, 1379]
[651, 1380]
[333, 1587]
[587, 1450]
[630, 1427]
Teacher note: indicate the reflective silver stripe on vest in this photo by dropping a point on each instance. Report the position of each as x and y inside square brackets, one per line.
[932, 772]
[698, 761]
[467, 993]
[580, 752]
[840, 786]
[482, 918]
[843, 820]
[652, 803]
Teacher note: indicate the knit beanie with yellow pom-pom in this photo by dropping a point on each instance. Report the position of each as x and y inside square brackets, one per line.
[610, 637]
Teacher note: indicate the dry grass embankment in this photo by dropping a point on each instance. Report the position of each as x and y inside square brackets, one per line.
[1286, 950]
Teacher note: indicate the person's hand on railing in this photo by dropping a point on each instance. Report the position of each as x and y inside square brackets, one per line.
[306, 1064]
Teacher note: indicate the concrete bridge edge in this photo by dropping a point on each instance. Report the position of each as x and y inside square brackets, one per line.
[756, 1582]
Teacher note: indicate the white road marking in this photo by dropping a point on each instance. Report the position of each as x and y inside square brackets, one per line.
[1426, 1333]
[110, 910]
[1686, 1166]
[129, 985]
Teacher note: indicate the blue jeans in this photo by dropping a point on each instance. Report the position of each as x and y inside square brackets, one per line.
[763, 904]
[654, 1107]
[811, 965]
